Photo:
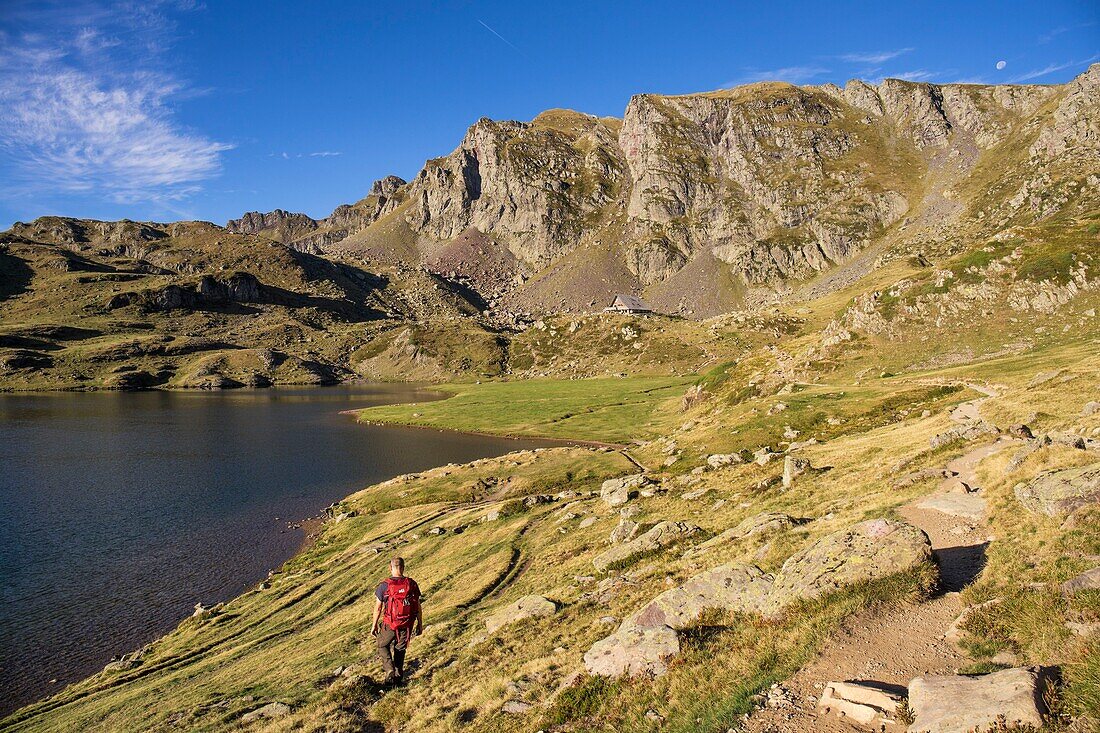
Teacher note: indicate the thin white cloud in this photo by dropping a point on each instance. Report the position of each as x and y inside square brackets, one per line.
[874, 57]
[325, 154]
[915, 75]
[84, 112]
[1055, 32]
[1051, 68]
[792, 74]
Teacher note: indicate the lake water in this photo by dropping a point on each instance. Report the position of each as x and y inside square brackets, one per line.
[120, 511]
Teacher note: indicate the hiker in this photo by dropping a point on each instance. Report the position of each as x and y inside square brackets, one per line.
[396, 612]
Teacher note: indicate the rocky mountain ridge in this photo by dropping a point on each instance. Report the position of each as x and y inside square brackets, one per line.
[698, 200]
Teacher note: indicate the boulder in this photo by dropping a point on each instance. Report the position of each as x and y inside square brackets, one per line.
[270, 711]
[1088, 580]
[967, 432]
[958, 704]
[1056, 493]
[647, 638]
[633, 652]
[663, 534]
[1090, 408]
[758, 524]
[861, 702]
[625, 531]
[732, 587]
[763, 456]
[718, 460]
[516, 707]
[526, 607]
[618, 491]
[870, 550]
[792, 469]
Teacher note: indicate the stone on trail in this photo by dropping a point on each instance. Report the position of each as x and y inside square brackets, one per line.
[861, 702]
[956, 504]
[967, 431]
[618, 491]
[270, 711]
[1060, 492]
[958, 704]
[661, 535]
[526, 607]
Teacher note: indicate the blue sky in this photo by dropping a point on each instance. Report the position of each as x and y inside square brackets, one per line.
[175, 109]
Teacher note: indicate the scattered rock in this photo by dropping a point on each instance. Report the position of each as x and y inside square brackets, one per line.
[873, 549]
[663, 534]
[625, 531]
[763, 456]
[718, 460]
[526, 607]
[792, 469]
[1090, 408]
[1060, 492]
[909, 479]
[1088, 580]
[760, 524]
[861, 702]
[1020, 430]
[967, 432]
[270, 711]
[647, 639]
[618, 491]
[958, 704]
[633, 652]
[588, 522]
[516, 707]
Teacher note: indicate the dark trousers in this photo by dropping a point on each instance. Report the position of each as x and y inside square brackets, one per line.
[391, 649]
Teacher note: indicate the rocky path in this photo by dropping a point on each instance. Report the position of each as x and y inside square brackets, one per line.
[892, 648]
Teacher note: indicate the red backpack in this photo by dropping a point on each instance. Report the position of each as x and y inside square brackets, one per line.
[402, 603]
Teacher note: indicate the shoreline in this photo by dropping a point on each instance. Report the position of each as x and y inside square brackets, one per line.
[311, 527]
[486, 434]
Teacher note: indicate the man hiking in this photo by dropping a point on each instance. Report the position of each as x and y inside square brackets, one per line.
[396, 613]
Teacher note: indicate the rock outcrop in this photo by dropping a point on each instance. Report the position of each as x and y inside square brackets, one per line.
[660, 535]
[646, 640]
[1056, 493]
[527, 607]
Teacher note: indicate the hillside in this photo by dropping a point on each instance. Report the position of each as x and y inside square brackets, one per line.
[862, 444]
[825, 420]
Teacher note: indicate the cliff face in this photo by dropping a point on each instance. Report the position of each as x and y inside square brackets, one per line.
[769, 182]
[768, 177]
[282, 226]
[530, 185]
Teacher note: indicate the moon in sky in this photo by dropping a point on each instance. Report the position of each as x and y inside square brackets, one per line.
[1001, 65]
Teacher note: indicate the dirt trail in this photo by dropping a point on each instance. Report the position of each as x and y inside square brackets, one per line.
[892, 648]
